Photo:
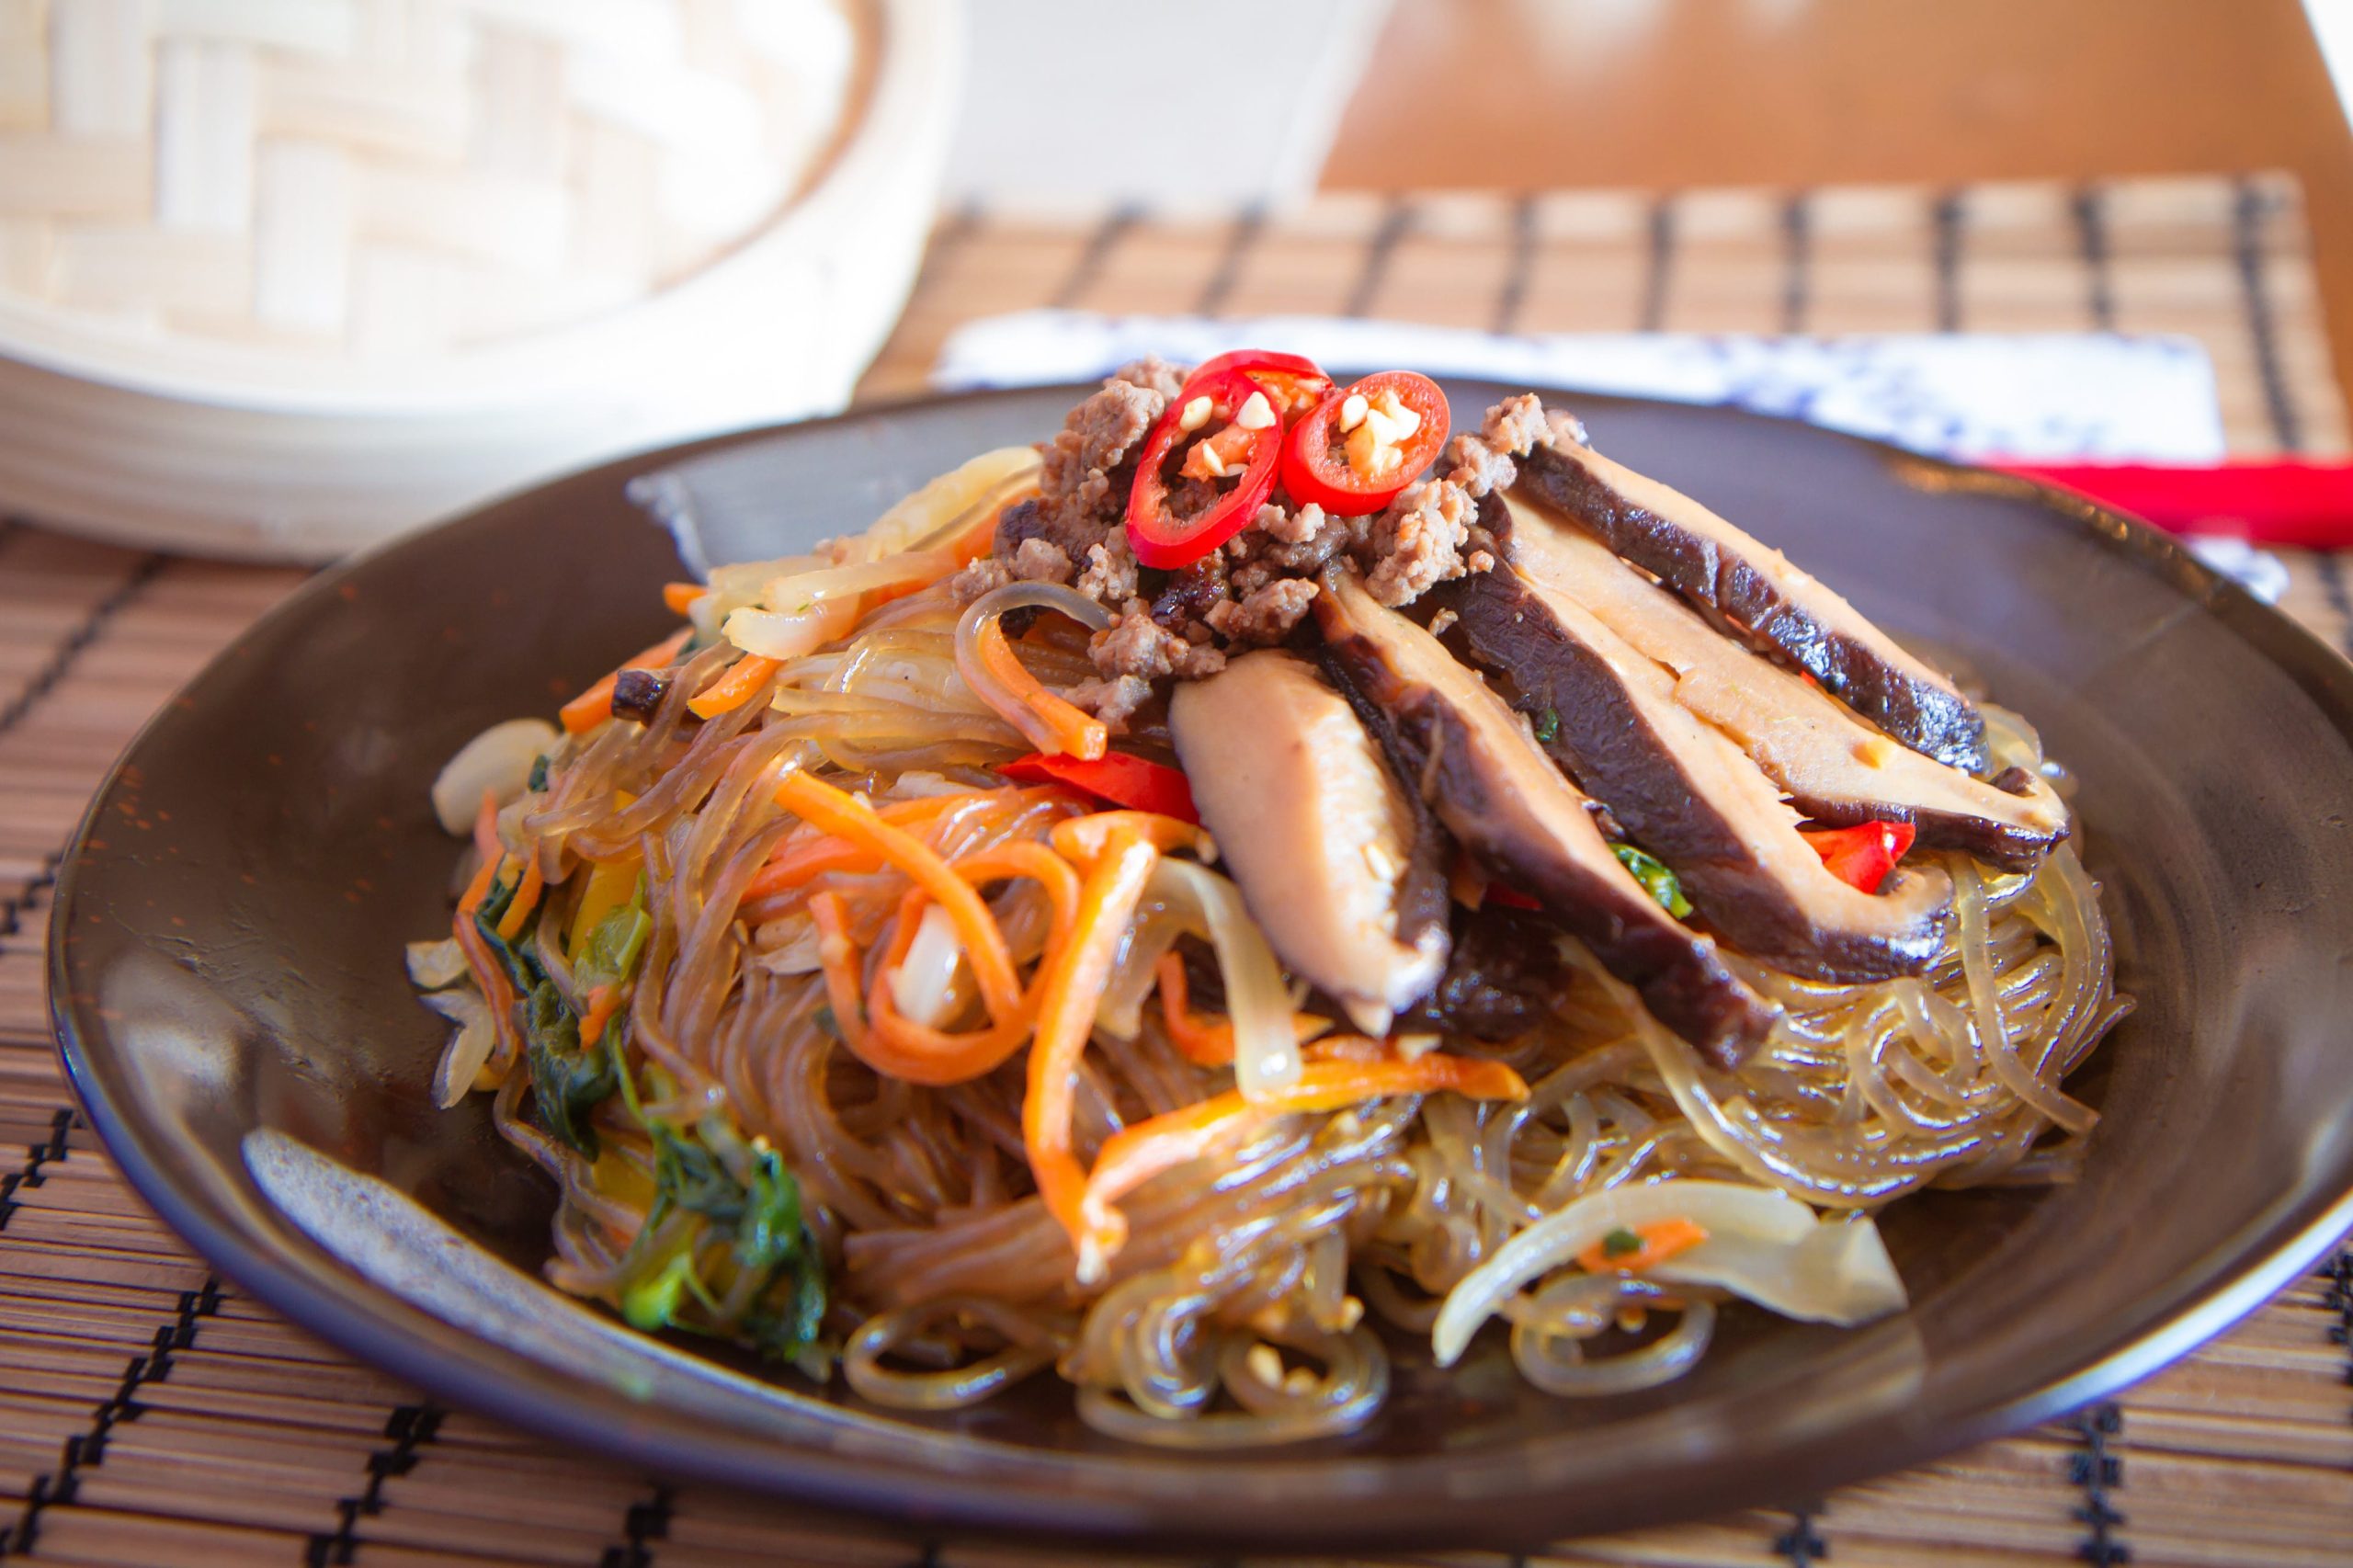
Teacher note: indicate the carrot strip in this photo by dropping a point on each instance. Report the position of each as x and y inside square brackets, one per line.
[981, 538]
[809, 854]
[933, 565]
[830, 810]
[527, 899]
[1065, 1018]
[1661, 1240]
[1073, 732]
[1207, 1045]
[594, 706]
[604, 1001]
[903, 1048]
[1134, 1155]
[680, 596]
[837, 956]
[1212, 1045]
[1025, 858]
[485, 876]
[745, 680]
[490, 976]
[1082, 838]
[486, 842]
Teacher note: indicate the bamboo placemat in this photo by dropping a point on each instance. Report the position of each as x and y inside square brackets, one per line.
[151, 1415]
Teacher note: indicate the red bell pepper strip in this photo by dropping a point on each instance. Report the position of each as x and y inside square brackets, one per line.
[1161, 538]
[1124, 780]
[1861, 855]
[1320, 465]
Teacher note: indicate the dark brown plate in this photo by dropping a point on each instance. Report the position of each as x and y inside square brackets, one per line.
[228, 990]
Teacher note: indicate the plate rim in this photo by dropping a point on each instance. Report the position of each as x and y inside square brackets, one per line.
[396, 1336]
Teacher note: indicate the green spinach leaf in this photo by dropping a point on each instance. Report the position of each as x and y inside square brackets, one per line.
[567, 1082]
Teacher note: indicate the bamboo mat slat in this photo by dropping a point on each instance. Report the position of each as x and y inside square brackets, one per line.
[150, 1415]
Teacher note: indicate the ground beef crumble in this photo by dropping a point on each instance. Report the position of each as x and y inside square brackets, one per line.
[1419, 540]
[1267, 615]
[1135, 644]
[1255, 589]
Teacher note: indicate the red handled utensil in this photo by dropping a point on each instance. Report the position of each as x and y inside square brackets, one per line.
[2300, 506]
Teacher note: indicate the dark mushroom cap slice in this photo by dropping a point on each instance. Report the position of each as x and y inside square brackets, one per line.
[1754, 594]
[1473, 759]
[1337, 864]
[1833, 767]
[1683, 791]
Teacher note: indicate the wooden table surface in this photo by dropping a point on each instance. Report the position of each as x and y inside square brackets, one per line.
[1664, 95]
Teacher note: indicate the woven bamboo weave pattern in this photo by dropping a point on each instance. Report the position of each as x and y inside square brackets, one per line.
[392, 178]
[151, 1415]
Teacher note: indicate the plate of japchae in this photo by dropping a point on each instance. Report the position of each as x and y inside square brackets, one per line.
[1430, 965]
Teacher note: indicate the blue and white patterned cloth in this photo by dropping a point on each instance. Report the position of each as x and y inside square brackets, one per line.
[2048, 397]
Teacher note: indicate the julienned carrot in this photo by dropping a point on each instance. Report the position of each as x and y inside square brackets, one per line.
[1082, 838]
[487, 841]
[744, 680]
[1134, 1155]
[681, 597]
[489, 974]
[594, 706]
[1074, 983]
[927, 569]
[1073, 732]
[808, 854]
[485, 876]
[844, 816]
[1207, 1044]
[526, 898]
[604, 1001]
[1644, 1246]
[837, 956]
[901, 1047]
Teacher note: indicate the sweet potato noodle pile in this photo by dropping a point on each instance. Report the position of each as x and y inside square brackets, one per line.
[873, 1005]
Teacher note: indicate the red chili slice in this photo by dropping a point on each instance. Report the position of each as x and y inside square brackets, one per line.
[1299, 381]
[1162, 539]
[1115, 777]
[1319, 467]
[1861, 855]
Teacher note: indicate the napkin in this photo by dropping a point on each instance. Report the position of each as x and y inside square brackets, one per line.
[1970, 395]
[2046, 397]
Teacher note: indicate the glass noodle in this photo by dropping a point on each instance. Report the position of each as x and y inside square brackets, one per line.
[1263, 1287]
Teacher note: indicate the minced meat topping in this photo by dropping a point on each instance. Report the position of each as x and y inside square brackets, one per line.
[1258, 588]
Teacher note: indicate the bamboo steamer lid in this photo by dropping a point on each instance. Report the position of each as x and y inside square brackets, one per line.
[284, 277]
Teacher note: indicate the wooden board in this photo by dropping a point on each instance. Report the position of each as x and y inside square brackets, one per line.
[149, 1415]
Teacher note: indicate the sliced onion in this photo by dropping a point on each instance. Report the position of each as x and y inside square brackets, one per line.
[1006, 704]
[432, 965]
[498, 760]
[952, 501]
[921, 985]
[1837, 1272]
[1155, 930]
[922, 783]
[470, 1043]
[1266, 1051]
[789, 635]
[798, 591]
[1761, 1243]
[731, 588]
